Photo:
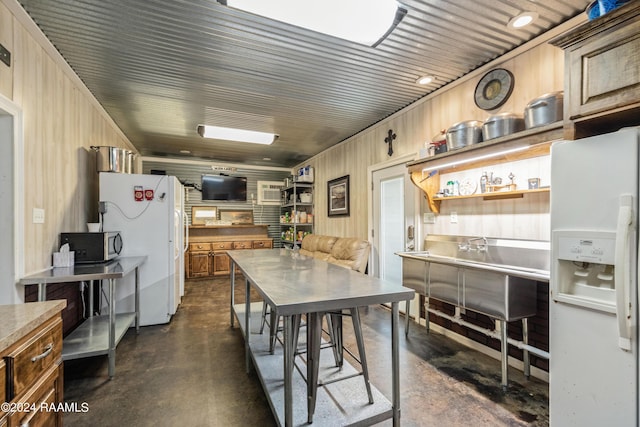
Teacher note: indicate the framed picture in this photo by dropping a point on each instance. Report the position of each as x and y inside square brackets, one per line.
[338, 194]
[203, 215]
[236, 216]
[534, 183]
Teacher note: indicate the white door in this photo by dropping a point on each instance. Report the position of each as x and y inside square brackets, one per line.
[11, 202]
[393, 219]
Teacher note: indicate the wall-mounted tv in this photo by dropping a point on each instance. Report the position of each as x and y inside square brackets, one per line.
[224, 188]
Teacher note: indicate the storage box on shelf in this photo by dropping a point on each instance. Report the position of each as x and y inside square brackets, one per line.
[601, 98]
[296, 212]
[425, 173]
[31, 373]
[207, 254]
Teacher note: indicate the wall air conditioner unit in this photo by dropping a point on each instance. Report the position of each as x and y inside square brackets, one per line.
[269, 192]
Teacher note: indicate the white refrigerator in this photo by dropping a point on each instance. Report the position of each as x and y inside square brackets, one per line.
[148, 211]
[593, 313]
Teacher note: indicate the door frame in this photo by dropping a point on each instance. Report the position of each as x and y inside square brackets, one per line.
[15, 182]
[370, 171]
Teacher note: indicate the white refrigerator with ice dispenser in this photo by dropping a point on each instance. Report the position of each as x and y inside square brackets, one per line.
[593, 313]
[148, 211]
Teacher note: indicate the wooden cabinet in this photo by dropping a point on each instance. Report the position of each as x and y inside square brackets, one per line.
[31, 369]
[207, 255]
[199, 260]
[602, 73]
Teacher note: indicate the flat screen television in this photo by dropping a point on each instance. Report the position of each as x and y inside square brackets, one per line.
[224, 188]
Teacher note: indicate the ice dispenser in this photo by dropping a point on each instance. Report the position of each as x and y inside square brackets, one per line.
[583, 271]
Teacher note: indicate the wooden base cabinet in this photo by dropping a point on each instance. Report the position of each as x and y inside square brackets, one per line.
[31, 370]
[207, 255]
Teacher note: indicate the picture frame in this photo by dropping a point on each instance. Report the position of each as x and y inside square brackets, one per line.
[534, 183]
[203, 215]
[236, 216]
[338, 196]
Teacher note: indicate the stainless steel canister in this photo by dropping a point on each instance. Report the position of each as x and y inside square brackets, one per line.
[109, 159]
[544, 110]
[464, 133]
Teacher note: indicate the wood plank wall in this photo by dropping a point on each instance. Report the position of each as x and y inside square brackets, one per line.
[61, 121]
[537, 71]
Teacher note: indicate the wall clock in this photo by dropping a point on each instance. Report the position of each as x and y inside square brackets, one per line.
[494, 88]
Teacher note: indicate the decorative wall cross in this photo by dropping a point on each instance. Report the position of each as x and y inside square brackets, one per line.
[388, 140]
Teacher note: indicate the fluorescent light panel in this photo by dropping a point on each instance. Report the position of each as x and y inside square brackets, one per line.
[360, 21]
[241, 135]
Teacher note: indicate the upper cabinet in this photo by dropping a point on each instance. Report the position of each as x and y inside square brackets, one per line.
[602, 73]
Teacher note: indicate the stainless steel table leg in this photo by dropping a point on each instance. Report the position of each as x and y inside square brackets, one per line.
[395, 364]
[42, 292]
[112, 328]
[91, 298]
[525, 353]
[504, 348]
[288, 370]
[314, 336]
[407, 312]
[247, 326]
[137, 299]
[233, 286]
[357, 327]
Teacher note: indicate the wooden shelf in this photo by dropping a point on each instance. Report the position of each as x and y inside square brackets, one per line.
[495, 195]
[425, 173]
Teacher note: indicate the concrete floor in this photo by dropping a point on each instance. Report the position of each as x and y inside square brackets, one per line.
[191, 372]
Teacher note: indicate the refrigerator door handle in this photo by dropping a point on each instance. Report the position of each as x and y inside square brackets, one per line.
[622, 267]
[185, 224]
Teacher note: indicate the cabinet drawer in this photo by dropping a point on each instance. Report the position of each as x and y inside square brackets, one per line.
[218, 246]
[262, 244]
[195, 247]
[247, 244]
[46, 393]
[34, 356]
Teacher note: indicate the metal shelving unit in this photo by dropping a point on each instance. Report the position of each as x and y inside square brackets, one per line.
[296, 215]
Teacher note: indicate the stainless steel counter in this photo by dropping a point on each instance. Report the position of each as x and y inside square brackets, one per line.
[293, 284]
[97, 335]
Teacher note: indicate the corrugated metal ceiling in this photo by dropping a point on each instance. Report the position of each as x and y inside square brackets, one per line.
[162, 67]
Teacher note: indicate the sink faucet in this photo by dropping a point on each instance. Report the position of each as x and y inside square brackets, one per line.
[464, 247]
[480, 247]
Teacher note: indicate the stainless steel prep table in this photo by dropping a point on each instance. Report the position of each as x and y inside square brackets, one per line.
[293, 285]
[97, 335]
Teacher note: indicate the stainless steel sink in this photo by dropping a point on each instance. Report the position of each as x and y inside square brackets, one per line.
[486, 281]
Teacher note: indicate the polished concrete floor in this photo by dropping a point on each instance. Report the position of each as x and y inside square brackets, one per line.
[191, 372]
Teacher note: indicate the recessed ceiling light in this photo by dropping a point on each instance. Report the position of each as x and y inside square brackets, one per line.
[266, 159]
[425, 80]
[362, 21]
[524, 19]
[185, 152]
[241, 135]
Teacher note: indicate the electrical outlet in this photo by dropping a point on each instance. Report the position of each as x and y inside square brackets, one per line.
[429, 218]
[454, 217]
[38, 216]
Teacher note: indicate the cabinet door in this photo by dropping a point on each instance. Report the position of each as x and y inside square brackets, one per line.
[221, 263]
[199, 264]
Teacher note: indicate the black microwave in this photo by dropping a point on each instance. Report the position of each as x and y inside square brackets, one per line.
[93, 247]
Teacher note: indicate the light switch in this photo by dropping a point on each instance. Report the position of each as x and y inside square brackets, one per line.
[38, 216]
[429, 218]
[454, 217]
